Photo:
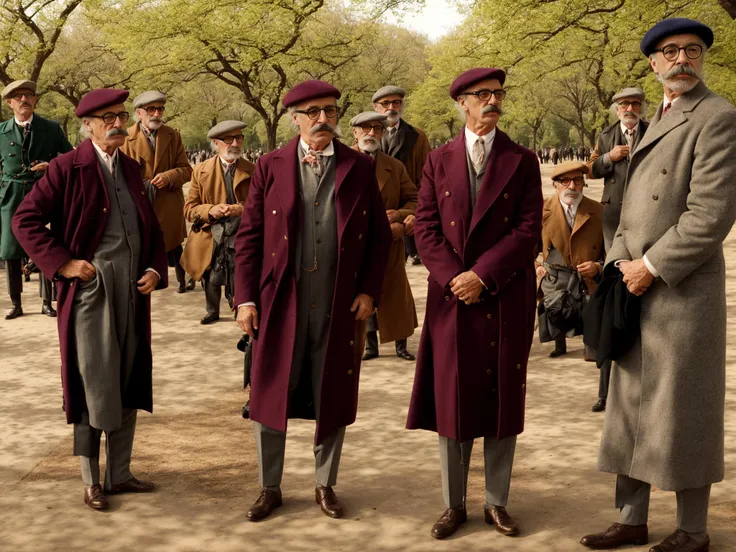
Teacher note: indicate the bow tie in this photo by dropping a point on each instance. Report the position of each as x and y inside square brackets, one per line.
[314, 158]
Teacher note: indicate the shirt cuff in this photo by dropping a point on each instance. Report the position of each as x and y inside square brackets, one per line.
[650, 267]
[248, 304]
[149, 269]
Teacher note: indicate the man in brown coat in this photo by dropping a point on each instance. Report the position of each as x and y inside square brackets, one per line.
[406, 143]
[159, 151]
[217, 194]
[396, 316]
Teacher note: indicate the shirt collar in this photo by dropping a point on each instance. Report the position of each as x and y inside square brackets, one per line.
[21, 125]
[471, 137]
[395, 127]
[573, 209]
[147, 131]
[226, 164]
[328, 151]
[104, 155]
[668, 101]
[624, 128]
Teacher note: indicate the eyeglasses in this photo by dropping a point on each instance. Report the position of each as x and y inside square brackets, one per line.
[485, 94]
[671, 52]
[625, 104]
[566, 181]
[238, 139]
[391, 103]
[151, 109]
[377, 129]
[314, 112]
[109, 117]
[18, 96]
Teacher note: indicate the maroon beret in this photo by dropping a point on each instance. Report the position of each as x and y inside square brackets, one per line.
[310, 89]
[99, 98]
[470, 77]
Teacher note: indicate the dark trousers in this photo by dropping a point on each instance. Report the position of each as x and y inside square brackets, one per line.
[410, 246]
[14, 274]
[174, 258]
[371, 338]
[212, 294]
[604, 376]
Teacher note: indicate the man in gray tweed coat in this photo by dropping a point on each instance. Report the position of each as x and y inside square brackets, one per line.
[665, 421]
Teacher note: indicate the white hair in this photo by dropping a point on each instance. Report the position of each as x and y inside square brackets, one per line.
[84, 132]
[460, 111]
[613, 109]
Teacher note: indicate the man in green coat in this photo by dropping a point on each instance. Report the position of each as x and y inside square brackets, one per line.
[27, 144]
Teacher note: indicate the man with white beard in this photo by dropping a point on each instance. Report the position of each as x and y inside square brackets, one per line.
[217, 194]
[396, 316]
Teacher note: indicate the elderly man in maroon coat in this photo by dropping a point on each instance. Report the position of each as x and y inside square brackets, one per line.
[478, 221]
[104, 249]
[311, 252]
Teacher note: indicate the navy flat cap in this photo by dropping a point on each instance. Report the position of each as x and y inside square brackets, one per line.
[674, 26]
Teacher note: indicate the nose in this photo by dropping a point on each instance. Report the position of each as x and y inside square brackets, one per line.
[682, 58]
[322, 117]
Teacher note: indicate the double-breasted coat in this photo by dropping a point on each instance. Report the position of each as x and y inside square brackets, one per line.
[265, 274]
[171, 160]
[73, 198]
[664, 420]
[471, 368]
[206, 189]
[411, 147]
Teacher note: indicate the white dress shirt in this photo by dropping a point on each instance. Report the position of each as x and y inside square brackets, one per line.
[28, 122]
[471, 138]
[571, 211]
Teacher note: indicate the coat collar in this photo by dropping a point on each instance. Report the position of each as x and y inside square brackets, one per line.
[383, 167]
[213, 167]
[556, 227]
[139, 142]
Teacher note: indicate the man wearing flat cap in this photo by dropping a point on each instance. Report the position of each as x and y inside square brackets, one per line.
[479, 222]
[27, 144]
[406, 143]
[311, 253]
[217, 194]
[89, 226]
[664, 423]
[159, 151]
[396, 318]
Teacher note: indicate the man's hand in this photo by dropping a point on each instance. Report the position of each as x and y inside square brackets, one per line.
[233, 210]
[160, 181]
[467, 286]
[541, 272]
[40, 166]
[588, 269]
[363, 304]
[218, 211]
[409, 225]
[77, 269]
[148, 282]
[618, 153]
[248, 319]
[397, 230]
[636, 276]
[393, 215]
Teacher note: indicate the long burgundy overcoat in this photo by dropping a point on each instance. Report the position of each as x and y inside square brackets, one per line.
[471, 370]
[264, 273]
[73, 197]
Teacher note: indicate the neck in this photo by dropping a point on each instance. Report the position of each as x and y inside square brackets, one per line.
[23, 118]
[393, 125]
[108, 149]
[630, 125]
[315, 145]
[479, 128]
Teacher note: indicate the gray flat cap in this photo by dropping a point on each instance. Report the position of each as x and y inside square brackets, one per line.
[18, 85]
[368, 117]
[148, 97]
[221, 129]
[388, 91]
[630, 92]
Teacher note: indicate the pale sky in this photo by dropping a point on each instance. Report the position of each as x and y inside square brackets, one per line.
[436, 19]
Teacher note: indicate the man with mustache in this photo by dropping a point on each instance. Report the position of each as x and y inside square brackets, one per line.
[406, 143]
[159, 151]
[479, 222]
[89, 226]
[311, 253]
[610, 161]
[27, 144]
[217, 193]
[664, 423]
[396, 318]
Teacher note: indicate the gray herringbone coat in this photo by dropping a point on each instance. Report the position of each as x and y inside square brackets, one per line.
[664, 420]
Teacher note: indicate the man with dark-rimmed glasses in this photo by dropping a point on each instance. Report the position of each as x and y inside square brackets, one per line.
[27, 144]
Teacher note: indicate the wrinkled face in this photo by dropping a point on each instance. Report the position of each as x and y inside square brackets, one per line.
[317, 119]
[628, 110]
[487, 110]
[230, 145]
[22, 102]
[369, 136]
[107, 126]
[151, 115]
[391, 106]
[570, 186]
[679, 62]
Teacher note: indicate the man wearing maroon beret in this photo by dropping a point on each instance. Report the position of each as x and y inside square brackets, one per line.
[478, 221]
[311, 252]
[104, 249]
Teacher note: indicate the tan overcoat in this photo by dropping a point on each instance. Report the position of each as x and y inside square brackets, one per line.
[170, 159]
[206, 189]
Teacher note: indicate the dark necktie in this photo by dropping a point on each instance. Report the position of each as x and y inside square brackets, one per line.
[666, 108]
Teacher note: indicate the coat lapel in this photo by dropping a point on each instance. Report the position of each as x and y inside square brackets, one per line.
[286, 181]
[383, 171]
[555, 224]
[241, 174]
[140, 144]
[454, 161]
[163, 138]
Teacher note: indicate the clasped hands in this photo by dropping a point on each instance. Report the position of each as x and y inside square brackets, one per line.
[636, 276]
[467, 287]
[222, 210]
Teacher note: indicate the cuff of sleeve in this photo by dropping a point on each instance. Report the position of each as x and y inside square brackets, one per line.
[650, 267]
[248, 304]
[149, 269]
[607, 163]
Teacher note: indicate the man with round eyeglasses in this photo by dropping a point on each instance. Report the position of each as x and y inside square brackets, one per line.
[159, 151]
[27, 144]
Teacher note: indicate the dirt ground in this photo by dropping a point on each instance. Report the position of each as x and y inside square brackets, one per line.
[201, 453]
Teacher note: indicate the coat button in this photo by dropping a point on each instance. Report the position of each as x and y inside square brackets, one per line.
[274, 211]
[314, 305]
[143, 192]
[505, 196]
[489, 371]
[505, 219]
[350, 372]
[352, 343]
[518, 366]
[316, 203]
[273, 254]
[489, 316]
[655, 197]
[493, 343]
[104, 209]
[360, 236]
[447, 194]
[452, 223]
[523, 385]
[447, 297]
[286, 237]
[365, 213]
[454, 250]
[664, 171]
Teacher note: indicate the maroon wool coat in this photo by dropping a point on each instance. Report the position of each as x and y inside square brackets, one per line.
[264, 274]
[73, 197]
[471, 368]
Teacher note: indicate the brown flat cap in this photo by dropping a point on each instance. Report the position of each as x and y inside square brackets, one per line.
[568, 167]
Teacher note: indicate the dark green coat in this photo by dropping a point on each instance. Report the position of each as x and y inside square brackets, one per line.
[46, 141]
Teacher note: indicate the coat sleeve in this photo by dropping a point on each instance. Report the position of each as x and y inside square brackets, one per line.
[435, 250]
[249, 241]
[182, 171]
[193, 205]
[598, 167]
[40, 207]
[711, 204]
[408, 195]
[422, 149]
[497, 266]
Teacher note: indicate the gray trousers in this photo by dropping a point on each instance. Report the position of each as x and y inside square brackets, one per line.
[455, 464]
[118, 450]
[632, 498]
[212, 294]
[14, 275]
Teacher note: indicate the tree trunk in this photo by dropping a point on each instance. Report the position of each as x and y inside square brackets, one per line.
[271, 129]
[451, 127]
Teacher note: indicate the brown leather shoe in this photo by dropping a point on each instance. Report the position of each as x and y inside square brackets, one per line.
[95, 498]
[132, 485]
[617, 535]
[267, 502]
[328, 501]
[449, 522]
[504, 523]
[680, 541]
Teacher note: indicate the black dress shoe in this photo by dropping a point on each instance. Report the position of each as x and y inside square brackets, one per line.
[190, 284]
[181, 289]
[267, 502]
[328, 502]
[14, 312]
[209, 318]
[369, 355]
[617, 535]
[416, 261]
[600, 406]
[680, 541]
[48, 310]
[406, 355]
[449, 522]
[557, 352]
[132, 485]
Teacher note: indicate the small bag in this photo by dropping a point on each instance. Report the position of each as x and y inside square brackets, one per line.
[565, 297]
[245, 345]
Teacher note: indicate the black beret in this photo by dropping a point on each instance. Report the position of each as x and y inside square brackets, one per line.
[674, 26]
